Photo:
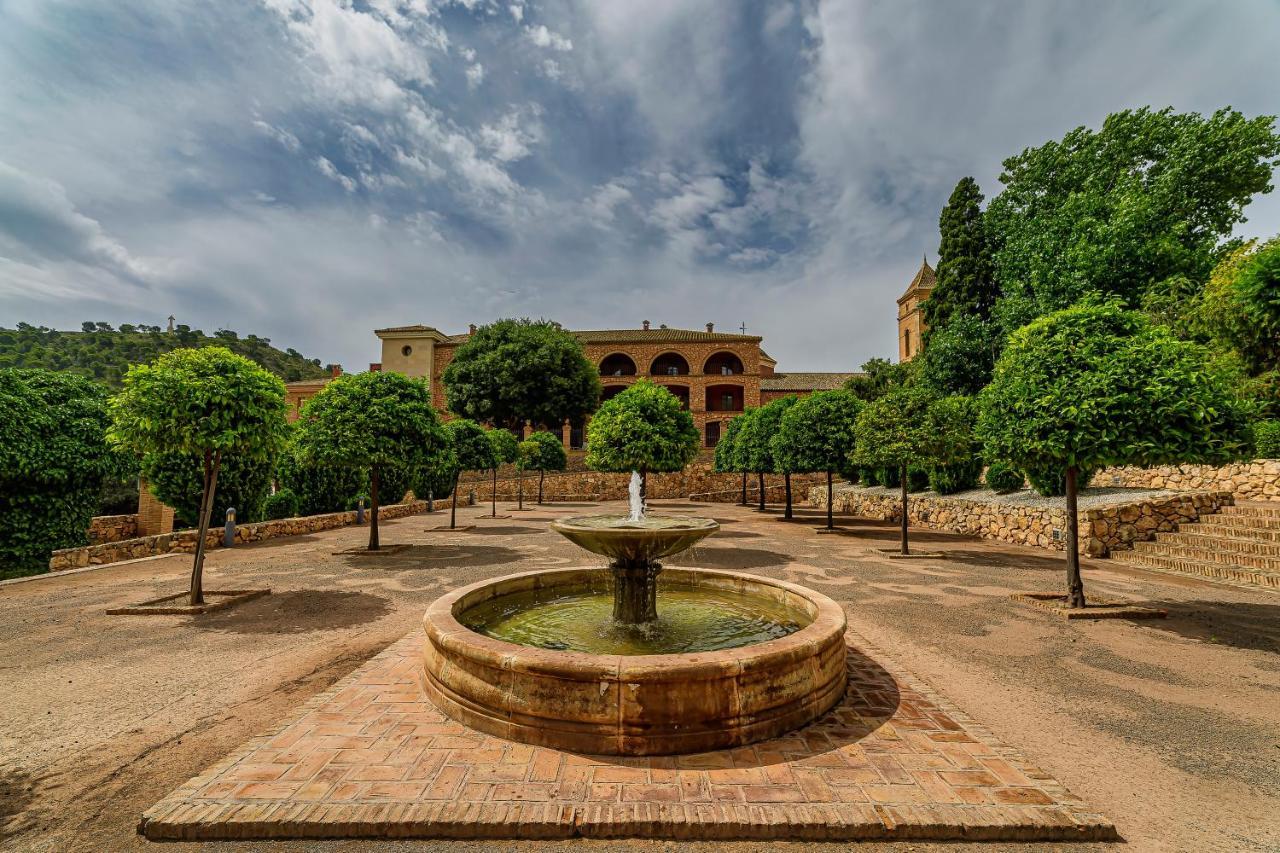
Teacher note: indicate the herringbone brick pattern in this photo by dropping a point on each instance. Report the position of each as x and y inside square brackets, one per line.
[373, 758]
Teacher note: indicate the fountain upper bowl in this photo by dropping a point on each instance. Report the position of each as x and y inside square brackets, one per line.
[619, 538]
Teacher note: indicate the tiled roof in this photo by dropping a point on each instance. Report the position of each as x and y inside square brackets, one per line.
[618, 336]
[925, 279]
[417, 327]
[805, 381]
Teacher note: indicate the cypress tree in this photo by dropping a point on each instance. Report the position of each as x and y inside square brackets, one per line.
[966, 281]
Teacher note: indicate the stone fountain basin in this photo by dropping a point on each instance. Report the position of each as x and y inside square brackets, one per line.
[615, 537]
[635, 704]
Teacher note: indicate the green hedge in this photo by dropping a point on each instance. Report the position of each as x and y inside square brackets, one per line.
[1266, 440]
[178, 480]
[283, 504]
[1003, 478]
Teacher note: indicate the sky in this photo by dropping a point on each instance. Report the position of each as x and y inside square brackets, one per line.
[309, 170]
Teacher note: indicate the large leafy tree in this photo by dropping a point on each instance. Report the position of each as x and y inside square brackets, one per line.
[1240, 306]
[878, 376]
[960, 357]
[816, 434]
[514, 372]
[893, 433]
[472, 451]
[644, 428]
[955, 454]
[543, 452]
[373, 421]
[205, 403]
[725, 460]
[1096, 385]
[506, 450]
[53, 457]
[1150, 196]
[966, 285]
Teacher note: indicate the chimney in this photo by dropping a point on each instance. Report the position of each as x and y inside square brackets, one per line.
[472, 329]
[645, 325]
[711, 327]
[335, 370]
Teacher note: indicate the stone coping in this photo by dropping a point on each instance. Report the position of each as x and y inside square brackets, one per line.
[371, 758]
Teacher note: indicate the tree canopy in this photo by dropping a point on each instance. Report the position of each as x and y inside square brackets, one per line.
[1240, 306]
[514, 372]
[101, 352]
[543, 451]
[53, 457]
[725, 457]
[643, 428]
[878, 376]
[960, 357]
[892, 432]
[505, 446]
[817, 432]
[966, 282]
[1151, 195]
[471, 445]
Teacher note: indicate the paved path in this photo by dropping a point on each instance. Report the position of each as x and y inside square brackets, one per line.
[1168, 728]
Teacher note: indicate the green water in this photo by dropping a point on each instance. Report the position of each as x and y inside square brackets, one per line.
[689, 620]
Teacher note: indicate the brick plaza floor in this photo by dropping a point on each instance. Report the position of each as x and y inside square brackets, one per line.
[372, 757]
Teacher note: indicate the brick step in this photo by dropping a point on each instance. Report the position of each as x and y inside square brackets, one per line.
[1256, 510]
[1190, 535]
[1213, 527]
[1208, 555]
[1195, 568]
[1254, 522]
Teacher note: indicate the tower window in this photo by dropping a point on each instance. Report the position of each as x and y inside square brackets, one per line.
[406, 350]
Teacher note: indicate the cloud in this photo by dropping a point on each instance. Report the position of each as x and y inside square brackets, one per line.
[39, 223]
[543, 37]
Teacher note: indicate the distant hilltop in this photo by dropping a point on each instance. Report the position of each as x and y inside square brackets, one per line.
[101, 352]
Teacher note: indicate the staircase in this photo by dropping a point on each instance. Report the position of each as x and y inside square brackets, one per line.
[1239, 544]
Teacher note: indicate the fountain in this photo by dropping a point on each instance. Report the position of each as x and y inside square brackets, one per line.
[637, 660]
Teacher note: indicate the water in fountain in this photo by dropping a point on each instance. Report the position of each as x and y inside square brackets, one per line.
[637, 499]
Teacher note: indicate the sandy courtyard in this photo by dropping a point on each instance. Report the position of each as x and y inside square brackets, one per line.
[1170, 728]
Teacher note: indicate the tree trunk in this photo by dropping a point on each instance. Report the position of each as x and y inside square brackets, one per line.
[374, 478]
[1075, 584]
[786, 482]
[212, 461]
[453, 511]
[760, 482]
[520, 489]
[744, 489]
[542, 475]
[905, 549]
[494, 495]
[830, 525]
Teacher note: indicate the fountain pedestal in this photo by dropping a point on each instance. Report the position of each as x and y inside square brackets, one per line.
[635, 591]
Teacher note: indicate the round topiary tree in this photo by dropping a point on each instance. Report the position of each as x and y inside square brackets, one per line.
[644, 428]
[725, 460]
[205, 403]
[515, 372]
[742, 445]
[956, 454]
[543, 452]
[816, 434]
[372, 421]
[506, 449]
[762, 430]
[472, 451]
[53, 457]
[893, 432]
[1096, 385]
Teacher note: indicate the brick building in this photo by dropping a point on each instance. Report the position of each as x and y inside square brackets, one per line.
[714, 374]
[911, 323]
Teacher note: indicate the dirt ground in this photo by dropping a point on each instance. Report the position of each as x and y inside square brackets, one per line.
[1170, 727]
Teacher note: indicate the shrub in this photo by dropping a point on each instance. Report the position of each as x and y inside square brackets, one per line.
[949, 479]
[283, 504]
[177, 479]
[319, 488]
[1266, 439]
[1053, 483]
[1003, 478]
[917, 478]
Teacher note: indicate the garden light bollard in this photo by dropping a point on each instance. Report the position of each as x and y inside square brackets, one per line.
[360, 511]
[431, 501]
[229, 532]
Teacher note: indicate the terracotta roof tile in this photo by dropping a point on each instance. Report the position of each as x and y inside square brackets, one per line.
[610, 336]
[805, 381]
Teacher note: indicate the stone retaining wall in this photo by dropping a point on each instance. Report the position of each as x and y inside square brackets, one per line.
[112, 528]
[1102, 528]
[697, 479]
[1257, 480]
[184, 541]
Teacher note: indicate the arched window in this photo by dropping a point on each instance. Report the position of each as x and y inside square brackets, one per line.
[669, 364]
[617, 365]
[723, 364]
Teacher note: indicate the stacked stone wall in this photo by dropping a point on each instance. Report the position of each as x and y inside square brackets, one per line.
[184, 541]
[1103, 529]
[696, 481]
[1256, 480]
[112, 528]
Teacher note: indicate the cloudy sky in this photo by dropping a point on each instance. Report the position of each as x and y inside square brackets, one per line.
[309, 170]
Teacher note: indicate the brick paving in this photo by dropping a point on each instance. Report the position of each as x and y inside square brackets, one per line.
[373, 758]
